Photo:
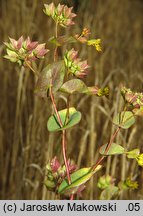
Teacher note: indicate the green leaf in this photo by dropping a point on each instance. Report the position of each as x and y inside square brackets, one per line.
[133, 154]
[113, 150]
[69, 118]
[61, 40]
[78, 178]
[74, 86]
[51, 76]
[109, 193]
[124, 119]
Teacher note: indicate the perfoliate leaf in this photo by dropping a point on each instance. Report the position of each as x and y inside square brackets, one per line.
[69, 118]
[74, 86]
[78, 178]
[114, 149]
[51, 76]
[124, 119]
[133, 154]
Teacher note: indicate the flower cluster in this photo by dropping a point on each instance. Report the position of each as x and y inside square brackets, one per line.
[134, 100]
[96, 43]
[22, 51]
[129, 184]
[83, 38]
[95, 90]
[105, 181]
[56, 173]
[75, 65]
[139, 159]
[61, 14]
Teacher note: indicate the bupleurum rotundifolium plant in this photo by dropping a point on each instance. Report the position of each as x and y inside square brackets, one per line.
[65, 75]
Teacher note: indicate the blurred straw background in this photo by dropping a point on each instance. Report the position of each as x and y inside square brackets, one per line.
[25, 144]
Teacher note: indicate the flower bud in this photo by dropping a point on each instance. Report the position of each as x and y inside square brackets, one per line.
[22, 51]
[61, 14]
[75, 65]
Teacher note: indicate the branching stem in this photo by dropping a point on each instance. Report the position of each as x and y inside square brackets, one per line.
[60, 121]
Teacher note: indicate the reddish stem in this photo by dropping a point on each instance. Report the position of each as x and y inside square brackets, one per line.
[60, 122]
[55, 108]
[56, 49]
[64, 155]
[72, 197]
[107, 148]
[63, 136]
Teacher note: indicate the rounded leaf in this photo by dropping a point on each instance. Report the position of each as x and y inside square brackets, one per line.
[124, 119]
[51, 76]
[114, 149]
[74, 86]
[69, 118]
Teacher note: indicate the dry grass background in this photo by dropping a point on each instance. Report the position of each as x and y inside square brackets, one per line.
[25, 144]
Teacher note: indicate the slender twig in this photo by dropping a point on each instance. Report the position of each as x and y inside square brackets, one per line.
[55, 108]
[109, 143]
[67, 113]
[60, 121]
[107, 149]
[31, 68]
[63, 136]
[56, 49]
[72, 197]
[64, 155]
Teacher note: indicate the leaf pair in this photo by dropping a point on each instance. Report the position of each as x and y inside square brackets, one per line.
[124, 119]
[69, 117]
[53, 77]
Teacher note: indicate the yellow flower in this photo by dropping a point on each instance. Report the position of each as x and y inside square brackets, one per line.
[85, 32]
[96, 43]
[140, 159]
[131, 184]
